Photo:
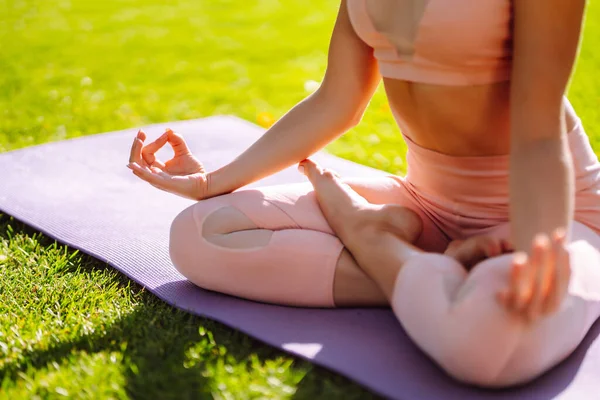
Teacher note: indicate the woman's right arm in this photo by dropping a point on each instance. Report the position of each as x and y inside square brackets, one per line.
[338, 105]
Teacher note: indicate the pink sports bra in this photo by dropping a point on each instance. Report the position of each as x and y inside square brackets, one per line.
[446, 42]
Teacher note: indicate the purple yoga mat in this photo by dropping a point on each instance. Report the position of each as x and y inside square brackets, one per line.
[80, 193]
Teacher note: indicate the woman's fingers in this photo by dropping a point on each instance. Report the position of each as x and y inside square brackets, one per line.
[148, 151]
[543, 266]
[146, 155]
[509, 297]
[522, 287]
[186, 186]
[539, 282]
[135, 156]
[562, 272]
[148, 175]
[177, 142]
[158, 164]
[551, 277]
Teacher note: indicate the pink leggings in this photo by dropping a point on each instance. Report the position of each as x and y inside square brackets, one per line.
[451, 315]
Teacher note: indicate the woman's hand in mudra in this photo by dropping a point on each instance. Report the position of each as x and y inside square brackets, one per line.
[183, 174]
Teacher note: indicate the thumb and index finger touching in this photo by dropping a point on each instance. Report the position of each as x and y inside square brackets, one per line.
[169, 136]
[177, 142]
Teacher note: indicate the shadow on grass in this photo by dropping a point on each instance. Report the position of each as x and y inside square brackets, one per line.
[167, 352]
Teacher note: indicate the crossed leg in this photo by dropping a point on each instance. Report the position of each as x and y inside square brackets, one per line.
[273, 245]
[455, 316]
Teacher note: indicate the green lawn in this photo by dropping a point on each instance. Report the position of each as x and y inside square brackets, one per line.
[69, 325]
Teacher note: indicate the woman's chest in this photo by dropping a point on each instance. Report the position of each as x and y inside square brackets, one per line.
[441, 30]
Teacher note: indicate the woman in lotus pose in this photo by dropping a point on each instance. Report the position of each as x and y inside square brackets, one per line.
[498, 160]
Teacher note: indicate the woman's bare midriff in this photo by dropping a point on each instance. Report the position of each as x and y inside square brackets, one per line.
[456, 120]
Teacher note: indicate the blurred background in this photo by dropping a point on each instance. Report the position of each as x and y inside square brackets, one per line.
[79, 67]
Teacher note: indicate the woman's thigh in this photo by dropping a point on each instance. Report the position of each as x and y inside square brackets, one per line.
[274, 240]
[295, 206]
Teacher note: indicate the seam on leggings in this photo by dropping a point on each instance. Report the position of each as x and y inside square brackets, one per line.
[283, 211]
[510, 355]
[333, 271]
[200, 228]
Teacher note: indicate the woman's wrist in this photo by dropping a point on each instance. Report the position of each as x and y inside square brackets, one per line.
[541, 190]
[213, 185]
[208, 187]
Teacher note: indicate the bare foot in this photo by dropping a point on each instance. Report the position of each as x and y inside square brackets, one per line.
[345, 209]
[471, 251]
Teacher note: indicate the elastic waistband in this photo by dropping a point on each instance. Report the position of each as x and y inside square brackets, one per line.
[434, 173]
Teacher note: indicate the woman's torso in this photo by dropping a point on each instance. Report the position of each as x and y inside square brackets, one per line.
[445, 67]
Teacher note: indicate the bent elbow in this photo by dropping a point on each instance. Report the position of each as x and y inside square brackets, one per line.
[355, 118]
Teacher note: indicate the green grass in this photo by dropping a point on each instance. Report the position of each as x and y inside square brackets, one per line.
[69, 325]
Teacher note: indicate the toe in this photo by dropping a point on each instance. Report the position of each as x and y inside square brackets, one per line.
[329, 174]
[309, 168]
[316, 177]
[518, 279]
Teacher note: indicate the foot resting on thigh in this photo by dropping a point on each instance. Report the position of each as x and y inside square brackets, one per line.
[471, 251]
[345, 209]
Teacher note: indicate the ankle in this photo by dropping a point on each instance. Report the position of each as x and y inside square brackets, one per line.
[401, 221]
[374, 220]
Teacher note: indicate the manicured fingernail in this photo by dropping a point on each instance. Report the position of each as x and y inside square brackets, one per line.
[560, 234]
[541, 240]
[520, 258]
[301, 169]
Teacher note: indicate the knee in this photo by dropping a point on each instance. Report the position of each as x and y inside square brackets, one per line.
[479, 353]
[198, 245]
[476, 340]
[465, 360]
[190, 253]
[512, 368]
[184, 240]
[189, 248]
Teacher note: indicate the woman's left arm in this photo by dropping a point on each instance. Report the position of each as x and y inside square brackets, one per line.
[546, 39]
